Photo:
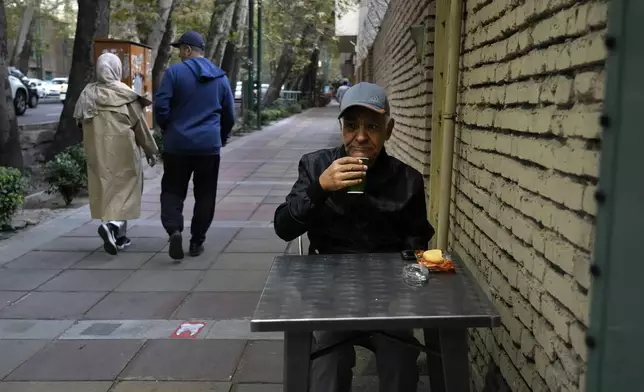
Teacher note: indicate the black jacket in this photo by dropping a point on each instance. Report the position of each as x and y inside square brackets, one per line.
[389, 217]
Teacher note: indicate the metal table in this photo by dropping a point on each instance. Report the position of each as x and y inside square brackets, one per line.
[366, 292]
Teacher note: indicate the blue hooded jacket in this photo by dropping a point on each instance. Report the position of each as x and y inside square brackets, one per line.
[195, 108]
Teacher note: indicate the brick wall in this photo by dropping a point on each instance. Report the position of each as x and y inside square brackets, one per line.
[526, 167]
[396, 67]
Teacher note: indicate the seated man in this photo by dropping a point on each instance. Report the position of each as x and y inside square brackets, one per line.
[389, 217]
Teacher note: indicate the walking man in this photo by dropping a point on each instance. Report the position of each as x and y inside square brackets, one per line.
[194, 107]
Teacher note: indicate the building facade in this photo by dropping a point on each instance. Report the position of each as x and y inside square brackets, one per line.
[525, 166]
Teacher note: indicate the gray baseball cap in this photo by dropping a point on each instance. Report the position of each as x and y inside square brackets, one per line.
[368, 95]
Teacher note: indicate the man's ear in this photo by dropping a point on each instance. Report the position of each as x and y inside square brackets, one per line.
[390, 128]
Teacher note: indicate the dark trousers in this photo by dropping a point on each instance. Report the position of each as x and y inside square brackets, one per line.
[177, 170]
[396, 363]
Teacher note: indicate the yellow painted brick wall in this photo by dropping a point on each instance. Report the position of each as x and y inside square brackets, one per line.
[408, 81]
[526, 167]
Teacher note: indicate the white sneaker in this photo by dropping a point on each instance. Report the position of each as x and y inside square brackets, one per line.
[109, 241]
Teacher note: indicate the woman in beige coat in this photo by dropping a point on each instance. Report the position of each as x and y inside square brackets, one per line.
[114, 132]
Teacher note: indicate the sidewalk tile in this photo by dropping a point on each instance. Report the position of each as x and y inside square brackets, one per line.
[33, 329]
[73, 244]
[144, 245]
[14, 352]
[230, 206]
[264, 212]
[24, 279]
[240, 215]
[82, 360]
[171, 386]
[262, 362]
[257, 388]
[136, 305]
[257, 246]
[218, 306]
[78, 386]
[47, 260]
[127, 260]
[52, 305]
[240, 329]
[86, 230]
[154, 280]
[253, 233]
[86, 280]
[243, 199]
[121, 329]
[8, 297]
[186, 360]
[147, 232]
[275, 199]
[236, 280]
[162, 261]
[245, 261]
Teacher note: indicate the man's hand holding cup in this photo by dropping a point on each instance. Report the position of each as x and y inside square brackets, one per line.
[344, 173]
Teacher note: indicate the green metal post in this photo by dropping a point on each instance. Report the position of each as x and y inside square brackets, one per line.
[259, 64]
[251, 37]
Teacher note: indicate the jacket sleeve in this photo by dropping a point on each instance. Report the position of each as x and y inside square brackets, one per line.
[142, 132]
[418, 230]
[294, 217]
[163, 98]
[228, 113]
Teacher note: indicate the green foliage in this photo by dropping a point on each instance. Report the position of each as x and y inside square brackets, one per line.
[67, 173]
[294, 108]
[270, 115]
[11, 193]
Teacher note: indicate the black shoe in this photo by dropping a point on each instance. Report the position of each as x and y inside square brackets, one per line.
[107, 231]
[123, 242]
[196, 249]
[176, 246]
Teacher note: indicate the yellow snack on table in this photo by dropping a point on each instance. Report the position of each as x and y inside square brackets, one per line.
[434, 256]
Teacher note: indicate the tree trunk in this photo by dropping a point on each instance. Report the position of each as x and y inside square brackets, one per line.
[284, 66]
[222, 42]
[310, 73]
[25, 24]
[164, 54]
[27, 50]
[157, 31]
[240, 23]
[218, 27]
[93, 21]
[228, 60]
[10, 151]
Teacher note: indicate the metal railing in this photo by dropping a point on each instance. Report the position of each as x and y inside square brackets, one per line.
[290, 95]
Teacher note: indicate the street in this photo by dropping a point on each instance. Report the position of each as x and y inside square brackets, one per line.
[48, 110]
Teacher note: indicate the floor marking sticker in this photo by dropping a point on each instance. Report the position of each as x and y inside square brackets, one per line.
[188, 330]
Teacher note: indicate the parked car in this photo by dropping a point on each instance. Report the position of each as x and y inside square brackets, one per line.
[19, 94]
[63, 92]
[52, 87]
[33, 92]
[40, 87]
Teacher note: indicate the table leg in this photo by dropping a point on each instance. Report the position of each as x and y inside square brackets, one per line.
[451, 371]
[297, 361]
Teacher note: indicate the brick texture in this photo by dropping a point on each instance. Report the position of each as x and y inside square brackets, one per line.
[394, 64]
[526, 167]
[525, 170]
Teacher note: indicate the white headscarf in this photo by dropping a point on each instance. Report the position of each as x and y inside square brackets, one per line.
[109, 71]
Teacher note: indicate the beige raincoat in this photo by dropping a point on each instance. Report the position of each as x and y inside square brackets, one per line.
[114, 131]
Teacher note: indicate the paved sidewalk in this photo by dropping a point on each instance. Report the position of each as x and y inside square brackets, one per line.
[73, 318]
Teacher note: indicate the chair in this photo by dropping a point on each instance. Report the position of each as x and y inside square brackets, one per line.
[299, 244]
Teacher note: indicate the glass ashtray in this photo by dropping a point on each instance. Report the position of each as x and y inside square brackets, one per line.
[415, 274]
